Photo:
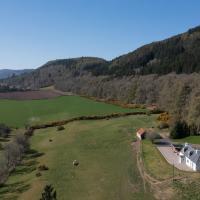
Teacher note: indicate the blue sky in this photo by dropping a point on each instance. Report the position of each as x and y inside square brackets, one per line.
[35, 31]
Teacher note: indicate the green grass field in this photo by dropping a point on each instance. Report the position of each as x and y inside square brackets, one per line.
[107, 167]
[190, 139]
[155, 163]
[20, 113]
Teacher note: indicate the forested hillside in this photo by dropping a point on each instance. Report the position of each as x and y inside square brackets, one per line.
[164, 72]
[180, 54]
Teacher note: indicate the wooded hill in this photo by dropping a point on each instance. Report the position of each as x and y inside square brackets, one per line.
[164, 72]
[179, 54]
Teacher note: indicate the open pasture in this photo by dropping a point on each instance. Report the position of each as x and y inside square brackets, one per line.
[20, 113]
[107, 162]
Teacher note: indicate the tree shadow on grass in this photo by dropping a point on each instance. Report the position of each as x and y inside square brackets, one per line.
[17, 187]
[2, 139]
[29, 164]
[33, 154]
[25, 168]
[13, 197]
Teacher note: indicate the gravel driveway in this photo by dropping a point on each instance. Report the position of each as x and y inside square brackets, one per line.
[170, 155]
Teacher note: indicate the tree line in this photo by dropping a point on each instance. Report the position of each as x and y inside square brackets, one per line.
[12, 155]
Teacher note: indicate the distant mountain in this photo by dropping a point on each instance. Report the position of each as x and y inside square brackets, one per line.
[6, 73]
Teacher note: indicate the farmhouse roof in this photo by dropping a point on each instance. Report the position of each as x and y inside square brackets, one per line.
[191, 153]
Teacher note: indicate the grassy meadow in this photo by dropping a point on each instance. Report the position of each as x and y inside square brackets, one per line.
[19, 113]
[107, 167]
[155, 163]
[194, 139]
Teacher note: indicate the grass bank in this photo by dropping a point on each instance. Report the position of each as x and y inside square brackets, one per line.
[155, 163]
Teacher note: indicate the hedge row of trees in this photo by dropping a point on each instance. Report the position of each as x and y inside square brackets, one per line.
[4, 131]
[12, 155]
[181, 129]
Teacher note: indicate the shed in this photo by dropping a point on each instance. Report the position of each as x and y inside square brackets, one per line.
[141, 133]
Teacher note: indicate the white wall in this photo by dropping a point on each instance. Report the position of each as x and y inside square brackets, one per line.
[190, 164]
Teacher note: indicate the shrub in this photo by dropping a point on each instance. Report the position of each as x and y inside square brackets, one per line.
[38, 174]
[49, 193]
[4, 130]
[148, 113]
[179, 130]
[164, 117]
[60, 128]
[43, 168]
[163, 125]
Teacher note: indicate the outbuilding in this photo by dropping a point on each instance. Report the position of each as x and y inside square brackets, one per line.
[141, 133]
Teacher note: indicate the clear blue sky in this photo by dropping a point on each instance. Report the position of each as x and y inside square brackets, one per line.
[35, 31]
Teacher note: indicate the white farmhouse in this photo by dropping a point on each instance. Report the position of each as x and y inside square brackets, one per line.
[190, 156]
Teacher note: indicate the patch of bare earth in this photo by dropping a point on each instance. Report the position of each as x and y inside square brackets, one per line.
[31, 95]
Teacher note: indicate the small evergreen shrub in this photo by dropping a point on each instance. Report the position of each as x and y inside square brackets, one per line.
[49, 193]
[179, 129]
[60, 128]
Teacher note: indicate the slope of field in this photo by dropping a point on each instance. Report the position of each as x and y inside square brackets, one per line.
[20, 113]
[107, 169]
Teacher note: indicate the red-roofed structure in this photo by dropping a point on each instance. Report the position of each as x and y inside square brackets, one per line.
[141, 133]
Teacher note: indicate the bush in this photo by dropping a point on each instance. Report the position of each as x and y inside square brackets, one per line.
[164, 117]
[49, 193]
[179, 129]
[163, 125]
[60, 128]
[43, 168]
[148, 113]
[4, 130]
[38, 174]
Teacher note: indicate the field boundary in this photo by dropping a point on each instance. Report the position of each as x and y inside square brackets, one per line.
[31, 129]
